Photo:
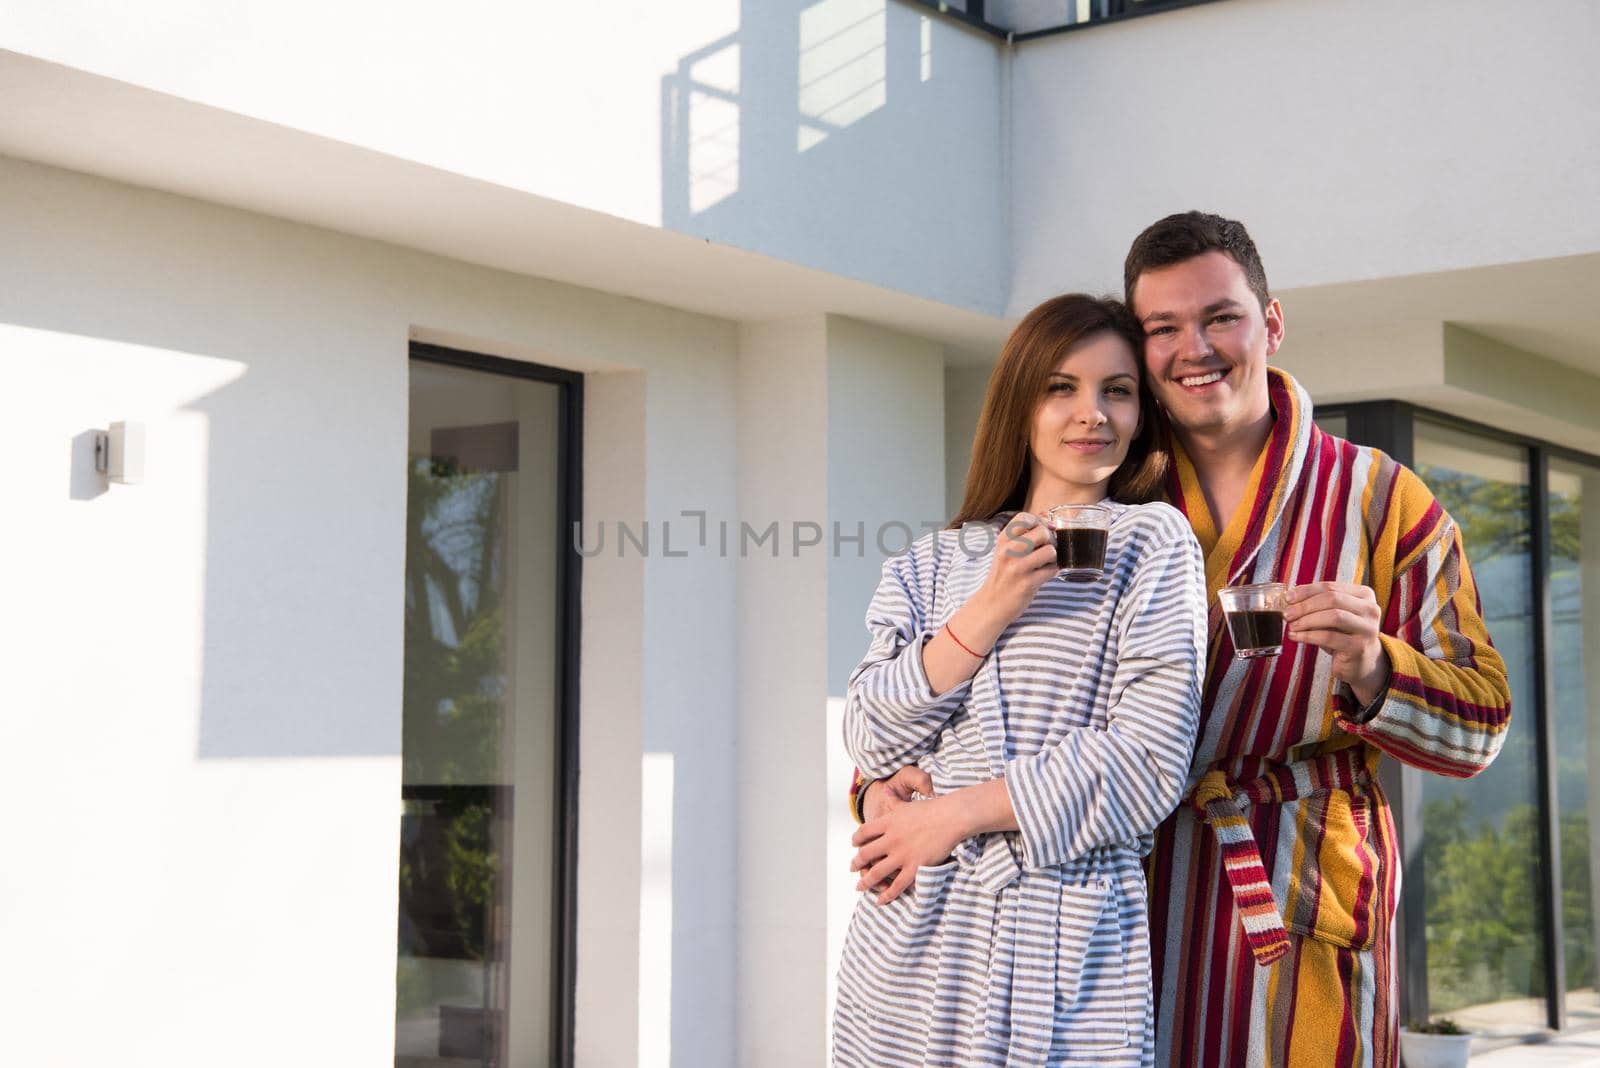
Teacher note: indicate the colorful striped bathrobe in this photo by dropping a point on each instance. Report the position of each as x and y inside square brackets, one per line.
[1291, 961]
[1027, 948]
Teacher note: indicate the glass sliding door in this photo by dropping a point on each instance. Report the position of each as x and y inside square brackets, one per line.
[1484, 901]
[485, 638]
[1574, 524]
[1508, 931]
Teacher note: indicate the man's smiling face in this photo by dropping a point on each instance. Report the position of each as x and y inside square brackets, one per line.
[1207, 340]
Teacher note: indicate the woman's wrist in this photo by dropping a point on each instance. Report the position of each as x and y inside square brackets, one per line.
[980, 622]
[956, 814]
[980, 809]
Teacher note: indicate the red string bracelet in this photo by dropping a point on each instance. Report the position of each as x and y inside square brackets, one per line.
[958, 641]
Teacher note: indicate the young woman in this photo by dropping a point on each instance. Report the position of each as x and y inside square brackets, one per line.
[1050, 723]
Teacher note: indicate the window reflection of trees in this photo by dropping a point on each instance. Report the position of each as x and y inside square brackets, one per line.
[1483, 908]
[455, 640]
[451, 859]
[1570, 721]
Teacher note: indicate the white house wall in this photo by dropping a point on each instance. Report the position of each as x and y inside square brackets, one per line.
[807, 130]
[1362, 139]
[885, 468]
[207, 667]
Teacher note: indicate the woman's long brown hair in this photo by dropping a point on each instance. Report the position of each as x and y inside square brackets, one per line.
[997, 479]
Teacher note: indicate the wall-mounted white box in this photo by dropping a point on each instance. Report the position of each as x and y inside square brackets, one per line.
[119, 452]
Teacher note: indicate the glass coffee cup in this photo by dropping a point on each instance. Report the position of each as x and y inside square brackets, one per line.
[1255, 618]
[1080, 531]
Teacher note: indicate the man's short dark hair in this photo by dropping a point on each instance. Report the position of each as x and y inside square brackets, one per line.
[1189, 234]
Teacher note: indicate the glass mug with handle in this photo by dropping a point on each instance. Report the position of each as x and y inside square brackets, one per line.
[1080, 531]
[1255, 618]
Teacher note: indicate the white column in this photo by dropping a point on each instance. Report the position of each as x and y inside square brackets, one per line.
[841, 445]
[886, 475]
[611, 730]
[783, 469]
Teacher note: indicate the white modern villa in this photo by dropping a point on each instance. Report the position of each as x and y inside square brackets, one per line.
[529, 395]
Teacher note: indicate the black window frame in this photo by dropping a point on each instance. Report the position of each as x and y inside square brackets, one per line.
[973, 14]
[569, 583]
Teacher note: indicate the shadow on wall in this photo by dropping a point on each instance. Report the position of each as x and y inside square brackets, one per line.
[815, 133]
[288, 487]
[277, 678]
[293, 663]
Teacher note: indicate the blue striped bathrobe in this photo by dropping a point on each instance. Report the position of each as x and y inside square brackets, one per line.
[1028, 947]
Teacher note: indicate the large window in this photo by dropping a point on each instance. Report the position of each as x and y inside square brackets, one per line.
[484, 967]
[1485, 930]
[1502, 892]
[1575, 688]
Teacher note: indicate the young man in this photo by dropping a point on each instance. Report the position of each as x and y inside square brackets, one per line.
[1391, 655]
[1273, 890]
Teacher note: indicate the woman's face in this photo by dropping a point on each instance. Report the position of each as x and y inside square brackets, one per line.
[1087, 420]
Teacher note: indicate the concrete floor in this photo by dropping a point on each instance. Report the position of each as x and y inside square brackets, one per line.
[1567, 1051]
[1511, 1033]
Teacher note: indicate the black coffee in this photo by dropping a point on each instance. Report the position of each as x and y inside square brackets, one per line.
[1080, 548]
[1256, 630]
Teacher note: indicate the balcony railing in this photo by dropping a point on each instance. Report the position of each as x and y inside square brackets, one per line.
[1023, 20]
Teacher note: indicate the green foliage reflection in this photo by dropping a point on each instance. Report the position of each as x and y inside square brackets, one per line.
[1481, 839]
[1493, 515]
[1484, 942]
[455, 647]
[454, 709]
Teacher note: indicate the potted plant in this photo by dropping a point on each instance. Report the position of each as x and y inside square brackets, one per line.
[1434, 1044]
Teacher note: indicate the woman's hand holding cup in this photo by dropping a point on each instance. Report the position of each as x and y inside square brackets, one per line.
[1024, 560]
